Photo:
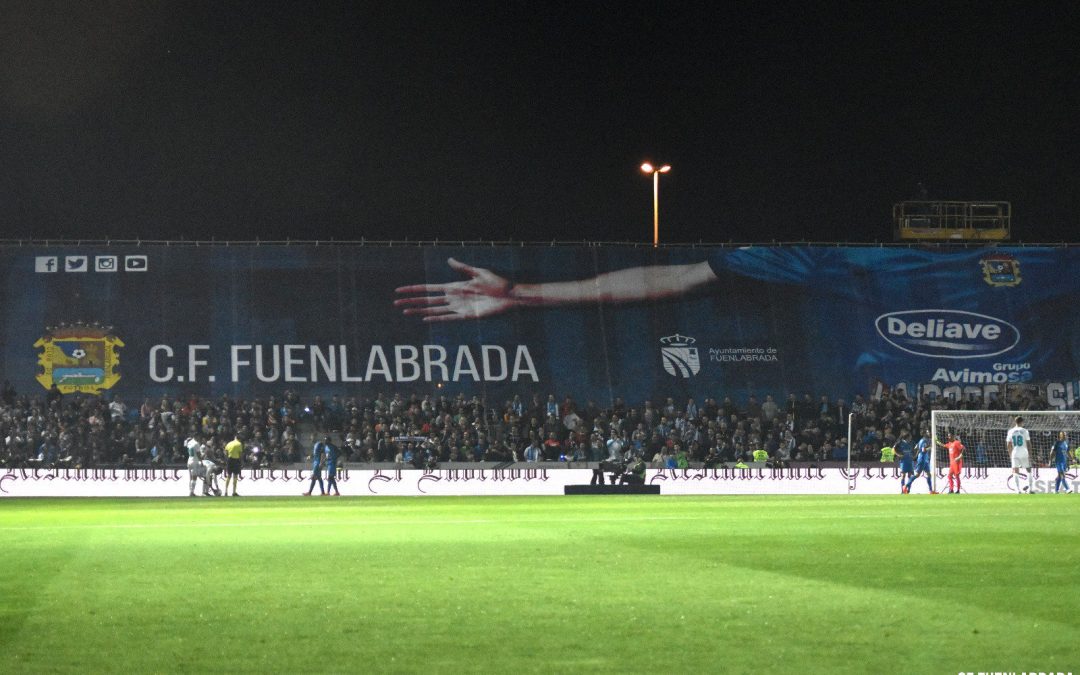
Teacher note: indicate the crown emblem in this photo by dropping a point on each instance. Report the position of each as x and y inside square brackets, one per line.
[677, 340]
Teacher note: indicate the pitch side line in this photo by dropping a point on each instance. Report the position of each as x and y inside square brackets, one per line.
[471, 521]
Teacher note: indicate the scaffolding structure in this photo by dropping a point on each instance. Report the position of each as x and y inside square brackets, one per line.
[952, 221]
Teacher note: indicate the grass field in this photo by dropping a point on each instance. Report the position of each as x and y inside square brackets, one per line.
[918, 584]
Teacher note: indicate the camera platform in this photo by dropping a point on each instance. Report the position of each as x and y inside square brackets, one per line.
[612, 490]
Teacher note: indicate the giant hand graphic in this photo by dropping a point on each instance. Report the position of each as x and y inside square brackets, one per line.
[483, 294]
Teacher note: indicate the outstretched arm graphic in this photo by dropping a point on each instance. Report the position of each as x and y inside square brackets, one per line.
[485, 293]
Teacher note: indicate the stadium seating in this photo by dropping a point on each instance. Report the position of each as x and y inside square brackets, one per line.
[393, 430]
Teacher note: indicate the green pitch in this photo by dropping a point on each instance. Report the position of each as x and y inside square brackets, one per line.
[646, 584]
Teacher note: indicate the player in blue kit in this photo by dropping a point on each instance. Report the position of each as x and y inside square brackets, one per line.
[1059, 455]
[316, 469]
[922, 463]
[331, 466]
[903, 450]
[923, 444]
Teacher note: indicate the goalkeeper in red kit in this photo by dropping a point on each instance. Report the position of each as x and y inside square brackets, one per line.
[956, 461]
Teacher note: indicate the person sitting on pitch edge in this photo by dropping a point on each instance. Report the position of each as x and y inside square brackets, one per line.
[635, 475]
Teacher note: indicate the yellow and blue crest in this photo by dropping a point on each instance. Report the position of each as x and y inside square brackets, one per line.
[79, 359]
[1001, 269]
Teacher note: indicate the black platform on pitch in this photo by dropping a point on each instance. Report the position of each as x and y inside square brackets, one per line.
[612, 489]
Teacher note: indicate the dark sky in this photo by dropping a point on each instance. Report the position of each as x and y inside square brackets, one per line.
[529, 120]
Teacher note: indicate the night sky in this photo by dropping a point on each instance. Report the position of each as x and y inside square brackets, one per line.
[527, 121]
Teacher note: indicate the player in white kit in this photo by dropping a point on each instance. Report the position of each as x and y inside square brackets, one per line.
[196, 452]
[209, 471]
[1018, 442]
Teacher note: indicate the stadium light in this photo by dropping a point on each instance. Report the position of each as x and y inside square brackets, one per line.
[649, 168]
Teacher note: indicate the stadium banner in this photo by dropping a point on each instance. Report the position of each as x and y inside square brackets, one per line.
[505, 482]
[594, 322]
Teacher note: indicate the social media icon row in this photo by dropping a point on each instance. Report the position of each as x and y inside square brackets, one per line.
[81, 263]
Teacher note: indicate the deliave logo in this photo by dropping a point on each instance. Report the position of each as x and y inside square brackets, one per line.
[947, 333]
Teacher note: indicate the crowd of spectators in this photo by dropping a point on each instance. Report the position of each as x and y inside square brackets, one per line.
[52, 429]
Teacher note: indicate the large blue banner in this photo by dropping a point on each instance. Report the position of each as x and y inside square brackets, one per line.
[592, 322]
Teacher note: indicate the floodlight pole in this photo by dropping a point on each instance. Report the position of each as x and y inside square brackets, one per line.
[656, 209]
[655, 171]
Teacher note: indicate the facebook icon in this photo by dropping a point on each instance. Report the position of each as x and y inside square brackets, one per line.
[46, 263]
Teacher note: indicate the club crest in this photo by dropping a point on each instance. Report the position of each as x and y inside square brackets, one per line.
[1001, 269]
[78, 359]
